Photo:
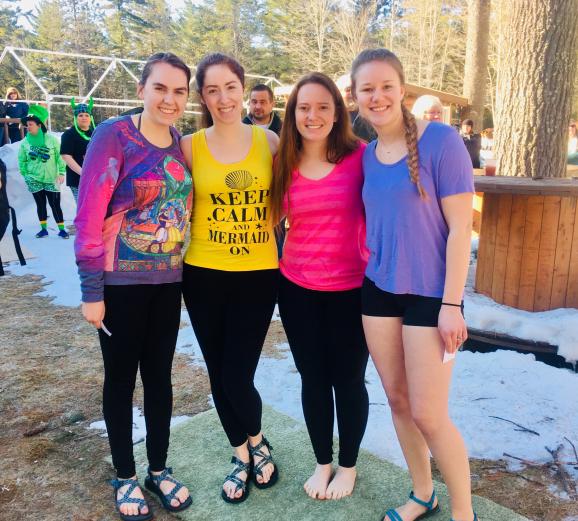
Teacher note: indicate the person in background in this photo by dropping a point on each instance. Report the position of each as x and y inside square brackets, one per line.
[42, 167]
[472, 141]
[428, 107]
[418, 192]
[361, 128]
[14, 109]
[4, 207]
[487, 146]
[74, 142]
[261, 113]
[134, 204]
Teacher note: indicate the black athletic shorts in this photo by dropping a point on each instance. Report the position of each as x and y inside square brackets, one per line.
[415, 310]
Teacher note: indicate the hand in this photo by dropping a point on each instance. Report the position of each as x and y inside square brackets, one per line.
[60, 179]
[452, 328]
[93, 312]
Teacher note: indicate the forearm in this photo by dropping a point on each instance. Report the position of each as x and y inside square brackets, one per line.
[72, 164]
[457, 263]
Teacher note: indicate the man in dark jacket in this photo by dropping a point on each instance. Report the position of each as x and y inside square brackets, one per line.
[261, 113]
[472, 141]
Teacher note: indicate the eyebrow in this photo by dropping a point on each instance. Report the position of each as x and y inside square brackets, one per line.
[226, 84]
[158, 84]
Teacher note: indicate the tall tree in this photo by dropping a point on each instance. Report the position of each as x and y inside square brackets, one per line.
[476, 68]
[535, 87]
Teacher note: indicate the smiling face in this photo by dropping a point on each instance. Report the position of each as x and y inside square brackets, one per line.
[379, 93]
[164, 94]
[222, 93]
[314, 112]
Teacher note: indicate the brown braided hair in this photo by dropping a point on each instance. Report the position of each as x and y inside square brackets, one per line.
[410, 127]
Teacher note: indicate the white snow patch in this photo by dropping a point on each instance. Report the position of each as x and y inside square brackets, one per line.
[139, 429]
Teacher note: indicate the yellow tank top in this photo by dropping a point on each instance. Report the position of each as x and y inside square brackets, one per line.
[229, 226]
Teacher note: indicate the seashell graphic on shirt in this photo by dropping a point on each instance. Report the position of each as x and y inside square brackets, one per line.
[239, 180]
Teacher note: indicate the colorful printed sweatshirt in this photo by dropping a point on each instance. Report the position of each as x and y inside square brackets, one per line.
[134, 204]
[39, 160]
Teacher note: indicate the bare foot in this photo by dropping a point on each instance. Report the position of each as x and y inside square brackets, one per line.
[342, 483]
[316, 485]
[410, 511]
[131, 509]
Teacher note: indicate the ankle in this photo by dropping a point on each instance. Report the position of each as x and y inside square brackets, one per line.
[242, 452]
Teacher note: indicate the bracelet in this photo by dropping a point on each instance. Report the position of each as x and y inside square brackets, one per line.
[450, 304]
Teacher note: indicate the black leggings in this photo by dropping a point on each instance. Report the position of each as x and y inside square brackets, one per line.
[143, 320]
[325, 334]
[230, 312]
[53, 200]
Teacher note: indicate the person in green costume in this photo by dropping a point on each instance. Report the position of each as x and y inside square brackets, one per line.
[42, 167]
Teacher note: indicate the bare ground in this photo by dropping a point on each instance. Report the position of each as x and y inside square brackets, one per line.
[53, 467]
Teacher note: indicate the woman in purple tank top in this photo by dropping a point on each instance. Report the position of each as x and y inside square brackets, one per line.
[417, 193]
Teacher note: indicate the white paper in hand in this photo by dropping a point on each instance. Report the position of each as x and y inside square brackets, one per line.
[448, 357]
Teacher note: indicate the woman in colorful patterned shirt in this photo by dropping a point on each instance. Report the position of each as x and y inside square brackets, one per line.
[134, 204]
[231, 267]
[317, 184]
[417, 192]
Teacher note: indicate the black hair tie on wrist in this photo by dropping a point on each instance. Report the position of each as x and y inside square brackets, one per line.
[450, 304]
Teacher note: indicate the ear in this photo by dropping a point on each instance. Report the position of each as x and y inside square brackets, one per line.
[402, 90]
[140, 91]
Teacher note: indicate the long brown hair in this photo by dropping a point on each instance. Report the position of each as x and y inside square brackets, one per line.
[340, 142]
[215, 58]
[410, 127]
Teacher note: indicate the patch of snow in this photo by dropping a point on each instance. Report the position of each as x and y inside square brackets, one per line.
[139, 429]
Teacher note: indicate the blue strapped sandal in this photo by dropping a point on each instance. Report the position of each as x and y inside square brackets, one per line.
[265, 459]
[240, 466]
[429, 505]
[153, 483]
[133, 483]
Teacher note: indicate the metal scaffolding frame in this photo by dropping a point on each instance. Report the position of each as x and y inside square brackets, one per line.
[114, 63]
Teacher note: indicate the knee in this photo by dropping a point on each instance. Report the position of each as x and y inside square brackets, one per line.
[428, 421]
[399, 403]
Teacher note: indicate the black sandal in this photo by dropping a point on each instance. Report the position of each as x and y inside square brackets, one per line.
[153, 483]
[125, 498]
[240, 466]
[265, 459]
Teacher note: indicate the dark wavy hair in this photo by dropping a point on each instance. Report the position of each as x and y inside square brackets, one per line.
[215, 58]
[340, 142]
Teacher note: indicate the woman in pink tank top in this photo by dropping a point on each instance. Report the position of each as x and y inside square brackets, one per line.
[317, 183]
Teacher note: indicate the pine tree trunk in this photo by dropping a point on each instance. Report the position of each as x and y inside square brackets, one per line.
[476, 68]
[535, 86]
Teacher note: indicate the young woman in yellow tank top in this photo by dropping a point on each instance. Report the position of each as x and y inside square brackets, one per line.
[231, 267]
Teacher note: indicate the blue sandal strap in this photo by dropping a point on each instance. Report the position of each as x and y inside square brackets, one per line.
[427, 504]
[393, 515]
[165, 475]
[125, 498]
[240, 466]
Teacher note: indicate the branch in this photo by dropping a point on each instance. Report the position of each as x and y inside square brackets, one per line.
[521, 427]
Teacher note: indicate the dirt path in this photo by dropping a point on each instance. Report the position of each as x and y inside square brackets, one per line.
[53, 467]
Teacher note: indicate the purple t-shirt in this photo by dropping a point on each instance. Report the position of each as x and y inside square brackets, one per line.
[134, 204]
[406, 235]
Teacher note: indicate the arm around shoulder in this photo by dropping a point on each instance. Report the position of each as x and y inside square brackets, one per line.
[273, 140]
[186, 144]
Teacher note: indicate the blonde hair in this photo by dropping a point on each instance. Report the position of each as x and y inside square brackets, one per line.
[409, 124]
[11, 90]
